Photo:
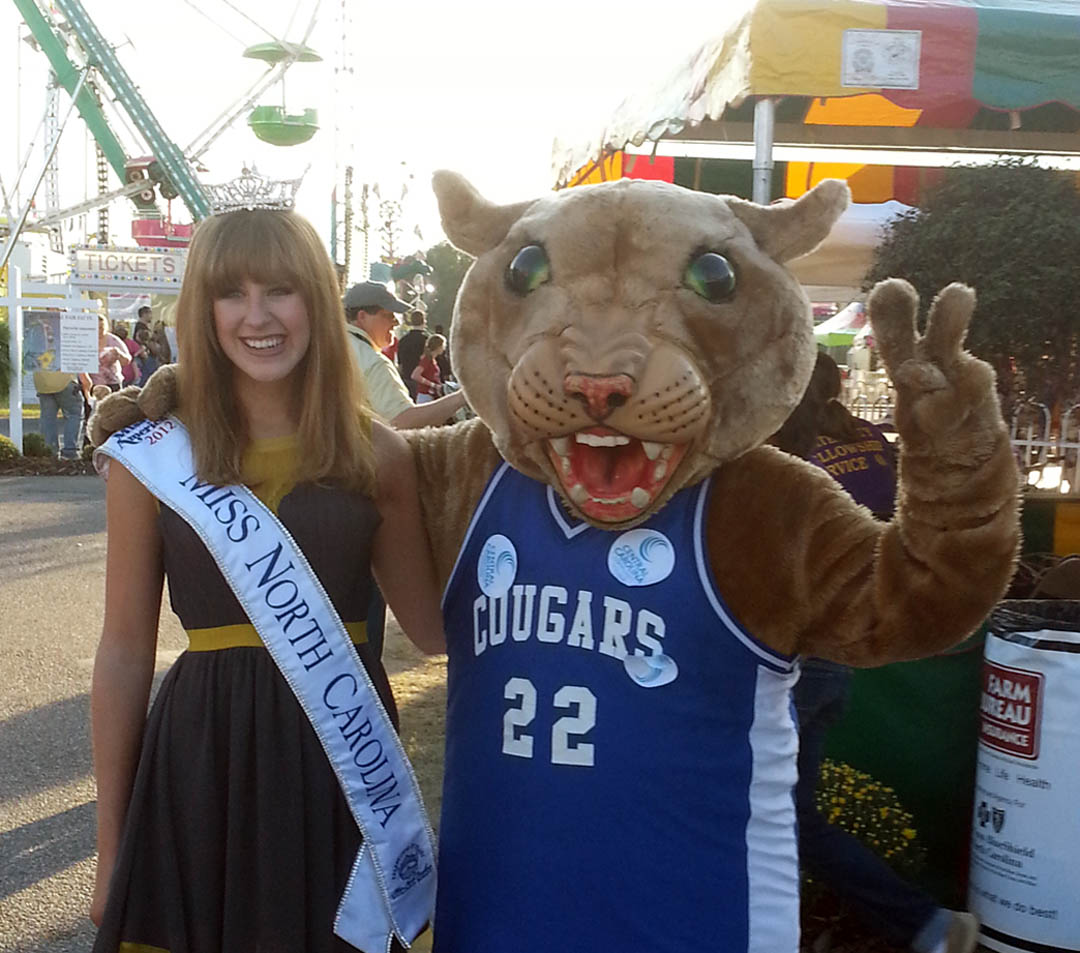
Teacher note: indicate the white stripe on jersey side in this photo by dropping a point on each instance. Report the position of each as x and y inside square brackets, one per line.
[772, 860]
[708, 584]
[492, 483]
[556, 511]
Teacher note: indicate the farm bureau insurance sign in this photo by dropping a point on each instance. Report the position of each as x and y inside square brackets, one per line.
[144, 269]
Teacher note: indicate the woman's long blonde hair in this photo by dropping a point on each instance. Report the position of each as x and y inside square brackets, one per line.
[270, 248]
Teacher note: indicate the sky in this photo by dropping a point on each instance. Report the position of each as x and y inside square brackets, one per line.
[479, 86]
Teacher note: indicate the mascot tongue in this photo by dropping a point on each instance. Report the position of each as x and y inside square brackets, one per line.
[610, 475]
[609, 471]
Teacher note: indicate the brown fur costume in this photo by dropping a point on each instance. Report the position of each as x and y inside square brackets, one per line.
[620, 363]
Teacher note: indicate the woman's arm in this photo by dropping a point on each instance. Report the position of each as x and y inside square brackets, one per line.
[401, 553]
[124, 665]
[425, 384]
[122, 349]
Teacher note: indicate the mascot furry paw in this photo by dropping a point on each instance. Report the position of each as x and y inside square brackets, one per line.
[631, 573]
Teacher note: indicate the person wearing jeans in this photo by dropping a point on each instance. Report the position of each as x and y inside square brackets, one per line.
[823, 431]
[60, 392]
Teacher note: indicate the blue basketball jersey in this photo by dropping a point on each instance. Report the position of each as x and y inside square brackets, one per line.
[620, 754]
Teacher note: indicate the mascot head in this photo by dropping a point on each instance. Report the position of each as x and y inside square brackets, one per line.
[623, 340]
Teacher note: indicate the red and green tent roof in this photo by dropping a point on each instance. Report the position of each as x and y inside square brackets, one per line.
[994, 75]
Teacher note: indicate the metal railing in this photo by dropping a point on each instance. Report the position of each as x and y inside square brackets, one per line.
[1047, 452]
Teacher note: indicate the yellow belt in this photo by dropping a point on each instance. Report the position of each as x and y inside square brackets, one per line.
[244, 635]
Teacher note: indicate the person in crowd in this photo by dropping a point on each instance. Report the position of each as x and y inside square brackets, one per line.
[857, 454]
[371, 315]
[371, 312]
[113, 356]
[221, 824]
[129, 371]
[146, 359]
[163, 337]
[446, 372]
[143, 322]
[411, 349]
[426, 375]
[62, 393]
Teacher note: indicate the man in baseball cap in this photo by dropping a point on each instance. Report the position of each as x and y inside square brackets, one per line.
[371, 314]
[372, 295]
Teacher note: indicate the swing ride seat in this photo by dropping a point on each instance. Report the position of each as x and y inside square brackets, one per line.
[274, 52]
[272, 124]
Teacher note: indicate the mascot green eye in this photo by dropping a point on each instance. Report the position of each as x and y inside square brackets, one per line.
[711, 276]
[529, 270]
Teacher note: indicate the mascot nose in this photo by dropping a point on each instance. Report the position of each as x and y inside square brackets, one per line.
[600, 394]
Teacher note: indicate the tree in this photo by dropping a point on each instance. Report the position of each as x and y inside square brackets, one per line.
[1011, 231]
[448, 266]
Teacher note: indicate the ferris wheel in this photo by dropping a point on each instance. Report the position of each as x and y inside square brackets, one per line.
[128, 138]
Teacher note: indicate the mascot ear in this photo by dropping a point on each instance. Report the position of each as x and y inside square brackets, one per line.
[470, 221]
[788, 229]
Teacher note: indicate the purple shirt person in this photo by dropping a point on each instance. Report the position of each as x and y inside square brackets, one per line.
[863, 465]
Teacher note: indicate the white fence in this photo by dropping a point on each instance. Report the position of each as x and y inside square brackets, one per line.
[1047, 451]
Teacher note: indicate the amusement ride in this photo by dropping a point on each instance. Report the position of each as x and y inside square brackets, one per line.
[149, 169]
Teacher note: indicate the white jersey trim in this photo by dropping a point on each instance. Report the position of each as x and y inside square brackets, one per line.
[772, 857]
[708, 584]
[560, 518]
[477, 513]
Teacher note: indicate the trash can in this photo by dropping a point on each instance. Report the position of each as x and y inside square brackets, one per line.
[1025, 877]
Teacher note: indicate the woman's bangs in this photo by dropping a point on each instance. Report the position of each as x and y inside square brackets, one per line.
[253, 246]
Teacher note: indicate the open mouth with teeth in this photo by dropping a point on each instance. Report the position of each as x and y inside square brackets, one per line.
[265, 344]
[609, 475]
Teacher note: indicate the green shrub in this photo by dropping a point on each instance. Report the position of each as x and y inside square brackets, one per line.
[8, 450]
[34, 445]
[5, 358]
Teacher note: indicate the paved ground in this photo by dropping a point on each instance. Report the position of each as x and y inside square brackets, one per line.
[52, 583]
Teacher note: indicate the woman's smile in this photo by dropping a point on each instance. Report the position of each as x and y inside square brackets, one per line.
[264, 330]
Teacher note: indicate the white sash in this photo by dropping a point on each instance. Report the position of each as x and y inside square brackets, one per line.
[391, 889]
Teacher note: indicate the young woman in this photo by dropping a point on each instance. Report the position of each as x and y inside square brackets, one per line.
[221, 825]
[426, 374]
[113, 357]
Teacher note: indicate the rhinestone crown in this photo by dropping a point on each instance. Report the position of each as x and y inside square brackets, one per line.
[250, 190]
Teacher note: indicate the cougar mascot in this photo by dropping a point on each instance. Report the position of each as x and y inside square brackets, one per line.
[632, 572]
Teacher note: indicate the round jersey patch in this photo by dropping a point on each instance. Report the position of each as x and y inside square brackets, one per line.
[641, 557]
[497, 566]
[651, 671]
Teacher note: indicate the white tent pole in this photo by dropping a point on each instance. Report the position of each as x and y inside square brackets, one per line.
[764, 121]
[15, 352]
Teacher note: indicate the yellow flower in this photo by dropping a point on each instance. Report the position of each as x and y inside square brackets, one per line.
[908, 833]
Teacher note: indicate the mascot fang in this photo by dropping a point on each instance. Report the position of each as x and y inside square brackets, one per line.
[631, 572]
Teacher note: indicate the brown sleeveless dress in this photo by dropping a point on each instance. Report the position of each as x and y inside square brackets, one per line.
[238, 839]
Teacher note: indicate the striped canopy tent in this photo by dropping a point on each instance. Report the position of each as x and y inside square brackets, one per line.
[793, 82]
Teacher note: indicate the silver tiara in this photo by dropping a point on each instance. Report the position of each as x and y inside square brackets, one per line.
[250, 190]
